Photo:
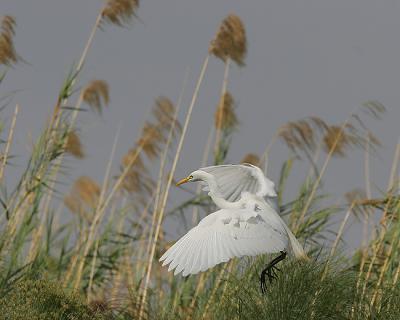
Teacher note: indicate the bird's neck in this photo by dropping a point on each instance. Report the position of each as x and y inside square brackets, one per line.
[216, 196]
[223, 204]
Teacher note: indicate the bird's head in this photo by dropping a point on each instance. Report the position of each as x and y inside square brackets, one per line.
[195, 176]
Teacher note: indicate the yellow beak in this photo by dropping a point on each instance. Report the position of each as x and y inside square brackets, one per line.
[184, 180]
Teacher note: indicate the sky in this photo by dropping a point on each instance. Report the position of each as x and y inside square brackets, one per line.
[305, 58]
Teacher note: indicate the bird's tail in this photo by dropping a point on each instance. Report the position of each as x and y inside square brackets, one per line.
[296, 247]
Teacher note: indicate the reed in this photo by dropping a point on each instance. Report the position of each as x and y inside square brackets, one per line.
[94, 249]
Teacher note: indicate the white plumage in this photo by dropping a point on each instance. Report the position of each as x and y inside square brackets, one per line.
[246, 224]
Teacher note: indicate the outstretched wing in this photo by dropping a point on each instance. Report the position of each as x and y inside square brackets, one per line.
[215, 240]
[232, 180]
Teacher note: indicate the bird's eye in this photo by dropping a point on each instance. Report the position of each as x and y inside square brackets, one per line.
[190, 177]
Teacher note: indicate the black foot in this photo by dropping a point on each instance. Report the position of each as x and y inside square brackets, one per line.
[270, 272]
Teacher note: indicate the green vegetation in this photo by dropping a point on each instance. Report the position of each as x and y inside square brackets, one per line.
[102, 262]
[41, 299]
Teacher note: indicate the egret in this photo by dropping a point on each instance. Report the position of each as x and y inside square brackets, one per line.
[246, 224]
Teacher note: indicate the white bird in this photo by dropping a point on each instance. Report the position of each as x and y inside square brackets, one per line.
[247, 223]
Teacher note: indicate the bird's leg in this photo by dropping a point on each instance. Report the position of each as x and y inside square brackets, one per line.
[270, 271]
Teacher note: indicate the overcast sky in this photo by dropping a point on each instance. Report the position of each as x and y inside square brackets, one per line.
[305, 57]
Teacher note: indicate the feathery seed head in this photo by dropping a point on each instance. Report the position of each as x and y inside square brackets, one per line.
[74, 145]
[83, 197]
[374, 108]
[336, 135]
[251, 158]
[355, 195]
[225, 116]
[119, 12]
[72, 203]
[304, 135]
[164, 112]
[356, 198]
[136, 180]
[133, 158]
[8, 55]
[319, 124]
[96, 94]
[230, 41]
[151, 139]
[298, 135]
[88, 190]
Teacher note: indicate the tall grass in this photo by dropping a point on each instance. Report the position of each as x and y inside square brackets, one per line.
[101, 261]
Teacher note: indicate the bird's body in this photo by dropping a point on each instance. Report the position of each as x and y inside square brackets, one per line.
[247, 224]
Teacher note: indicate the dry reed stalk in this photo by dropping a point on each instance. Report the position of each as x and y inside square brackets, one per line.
[71, 267]
[114, 11]
[230, 269]
[230, 43]
[14, 223]
[225, 117]
[321, 173]
[144, 234]
[133, 178]
[117, 278]
[97, 89]
[199, 286]
[37, 235]
[216, 287]
[383, 221]
[264, 157]
[340, 231]
[163, 161]
[222, 105]
[395, 165]
[98, 214]
[62, 101]
[374, 255]
[166, 192]
[9, 141]
[206, 153]
[385, 264]
[332, 252]
[396, 276]
[129, 267]
[360, 272]
[367, 190]
[91, 276]
[394, 282]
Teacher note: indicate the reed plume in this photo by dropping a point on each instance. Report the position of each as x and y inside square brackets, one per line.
[251, 158]
[137, 180]
[96, 95]
[164, 111]
[298, 135]
[307, 135]
[356, 197]
[374, 108]
[8, 54]
[340, 140]
[74, 146]
[225, 116]
[119, 12]
[230, 41]
[151, 140]
[154, 135]
[83, 197]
